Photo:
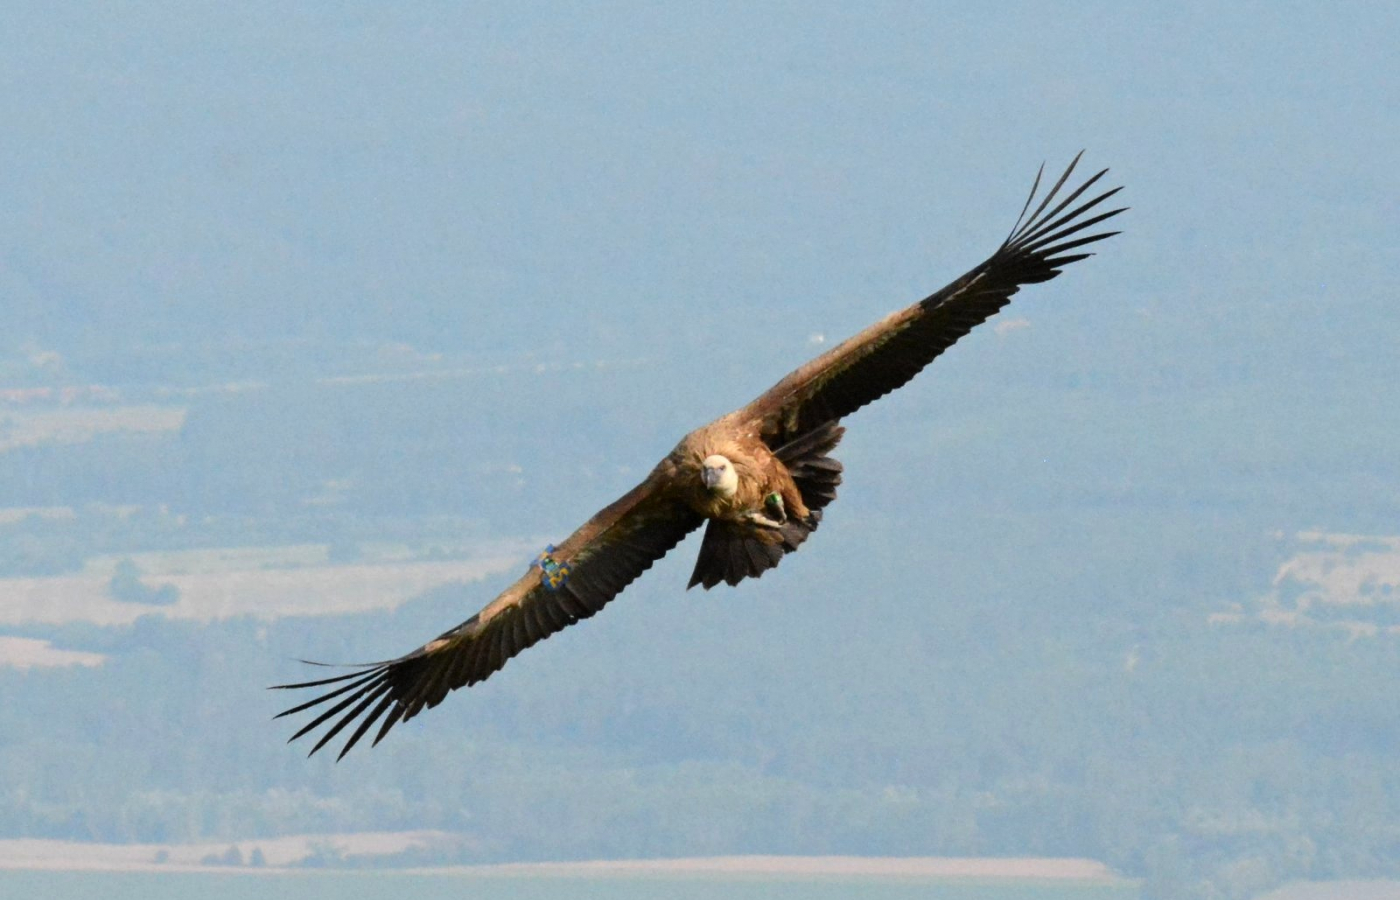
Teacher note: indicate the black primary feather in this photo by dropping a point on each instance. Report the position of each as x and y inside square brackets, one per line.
[1037, 248]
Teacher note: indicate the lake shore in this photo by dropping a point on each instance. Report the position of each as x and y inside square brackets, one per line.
[920, 867]
[292, 853]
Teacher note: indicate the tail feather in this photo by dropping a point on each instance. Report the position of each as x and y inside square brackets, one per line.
[731, 552]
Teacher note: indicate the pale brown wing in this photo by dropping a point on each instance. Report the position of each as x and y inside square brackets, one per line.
[591, 568]
[892, 351]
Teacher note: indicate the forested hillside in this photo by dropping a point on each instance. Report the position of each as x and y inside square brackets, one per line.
[990, 648]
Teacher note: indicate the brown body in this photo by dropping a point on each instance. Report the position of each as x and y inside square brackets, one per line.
[778, 447]
[760, 471]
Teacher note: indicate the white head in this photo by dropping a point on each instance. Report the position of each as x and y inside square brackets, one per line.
[719, 476]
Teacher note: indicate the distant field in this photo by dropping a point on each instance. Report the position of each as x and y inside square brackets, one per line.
[33, 428]
[381, 885]
[273, 854]
[1345, 582]
[267, 583]
[1337, 890]
[78, 871]
[35, 653]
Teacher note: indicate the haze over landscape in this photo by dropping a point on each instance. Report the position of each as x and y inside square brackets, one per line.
[320, 324]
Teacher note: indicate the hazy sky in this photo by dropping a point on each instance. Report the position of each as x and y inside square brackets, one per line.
[465, 177]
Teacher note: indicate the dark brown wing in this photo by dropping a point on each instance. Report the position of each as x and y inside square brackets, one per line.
[892, 351]
[589, 569]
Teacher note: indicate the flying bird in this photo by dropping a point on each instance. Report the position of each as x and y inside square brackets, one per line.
[758, 479]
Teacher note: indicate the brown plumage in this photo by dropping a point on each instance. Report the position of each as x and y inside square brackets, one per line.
[760, 477]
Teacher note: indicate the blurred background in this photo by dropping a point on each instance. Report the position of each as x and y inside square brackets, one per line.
[321, 321]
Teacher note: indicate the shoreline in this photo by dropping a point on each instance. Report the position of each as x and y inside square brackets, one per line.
[932, 868]
[288, 855]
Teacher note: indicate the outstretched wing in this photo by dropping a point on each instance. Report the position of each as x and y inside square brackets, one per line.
[569, 583]
[892, 351]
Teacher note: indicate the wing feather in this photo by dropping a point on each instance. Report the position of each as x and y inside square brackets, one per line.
[604, 556]
[889, 353]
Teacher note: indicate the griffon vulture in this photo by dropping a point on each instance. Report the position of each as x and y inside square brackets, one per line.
[757, 479]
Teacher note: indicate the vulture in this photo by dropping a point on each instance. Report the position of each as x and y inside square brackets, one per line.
[758, 480]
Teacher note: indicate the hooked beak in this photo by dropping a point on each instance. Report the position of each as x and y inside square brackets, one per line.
[710, 476]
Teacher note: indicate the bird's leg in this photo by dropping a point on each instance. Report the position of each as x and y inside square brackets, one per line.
[773, 503]
[773, 515]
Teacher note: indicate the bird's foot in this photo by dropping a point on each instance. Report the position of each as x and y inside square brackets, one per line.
[773, 515]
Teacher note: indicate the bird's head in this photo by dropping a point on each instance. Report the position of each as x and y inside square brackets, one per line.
[718, 474]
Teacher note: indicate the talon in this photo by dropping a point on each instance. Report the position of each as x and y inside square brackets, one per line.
[759, 518]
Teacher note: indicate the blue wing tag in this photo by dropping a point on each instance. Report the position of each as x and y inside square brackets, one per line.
[553, 574]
